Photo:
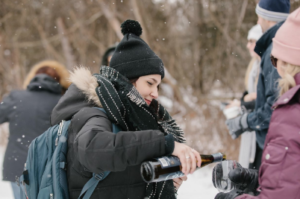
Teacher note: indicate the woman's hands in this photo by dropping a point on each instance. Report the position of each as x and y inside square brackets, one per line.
[189, 157]
[233, 103]
[250, 97]
[178, 181]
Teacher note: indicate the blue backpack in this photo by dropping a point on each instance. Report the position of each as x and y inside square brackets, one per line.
[45, 174]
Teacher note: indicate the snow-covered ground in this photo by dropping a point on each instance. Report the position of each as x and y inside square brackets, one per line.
[198, 185]
[5, 188]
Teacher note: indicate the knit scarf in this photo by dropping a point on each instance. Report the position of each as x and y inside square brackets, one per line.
[126, 108]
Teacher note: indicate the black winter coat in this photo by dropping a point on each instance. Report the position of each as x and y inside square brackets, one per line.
[28, 113]
[92, 147]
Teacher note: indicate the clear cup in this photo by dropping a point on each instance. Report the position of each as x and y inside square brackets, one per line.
[220, 175]
[232, 112]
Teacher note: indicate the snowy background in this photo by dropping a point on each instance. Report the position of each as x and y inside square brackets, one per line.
[198, 185]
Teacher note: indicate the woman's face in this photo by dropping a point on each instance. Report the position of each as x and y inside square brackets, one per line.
[147, 86]
[251, 45]
[281, 65]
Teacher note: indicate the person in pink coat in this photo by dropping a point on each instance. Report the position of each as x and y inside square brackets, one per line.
[279, 174]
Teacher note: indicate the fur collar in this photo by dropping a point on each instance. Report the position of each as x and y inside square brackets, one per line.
[60, 69]
[86, 83]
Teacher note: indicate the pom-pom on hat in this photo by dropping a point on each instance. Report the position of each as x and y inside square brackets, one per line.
[133, 57]
[286, 43]
[273, 10]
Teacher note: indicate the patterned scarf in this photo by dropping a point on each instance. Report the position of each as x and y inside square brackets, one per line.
[126, 108]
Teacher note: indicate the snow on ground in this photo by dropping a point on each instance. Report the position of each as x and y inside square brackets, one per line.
[5, 188]
[198, 185]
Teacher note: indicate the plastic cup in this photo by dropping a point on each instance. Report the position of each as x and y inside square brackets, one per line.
[232, 112]
[220, 175]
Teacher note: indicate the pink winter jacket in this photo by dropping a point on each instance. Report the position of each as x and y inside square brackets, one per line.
[279, 174]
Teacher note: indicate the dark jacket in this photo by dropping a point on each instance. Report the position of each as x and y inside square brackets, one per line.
[28, 113]
[259, 119]
[279, 172]
[92, 147]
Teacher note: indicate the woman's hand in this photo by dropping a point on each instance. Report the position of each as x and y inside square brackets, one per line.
[189, 158]
[250, 97]
[233, 103]
[178, 181]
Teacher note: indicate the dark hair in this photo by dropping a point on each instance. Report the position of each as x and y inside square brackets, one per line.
[133, 80]
[109, 52]
[49, 71]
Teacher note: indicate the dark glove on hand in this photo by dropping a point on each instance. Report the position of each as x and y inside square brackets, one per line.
[237, 125]
[230, 195]
[245, 179]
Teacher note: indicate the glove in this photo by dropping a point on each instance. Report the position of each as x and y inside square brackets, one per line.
[245, 180]
[230, 195]
[237, 125]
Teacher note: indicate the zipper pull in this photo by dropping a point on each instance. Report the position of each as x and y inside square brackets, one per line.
[51, 195]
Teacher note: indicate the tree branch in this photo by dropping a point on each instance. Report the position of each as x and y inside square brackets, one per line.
[67, 50]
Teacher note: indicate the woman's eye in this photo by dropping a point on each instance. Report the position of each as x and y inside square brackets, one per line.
[150, 83]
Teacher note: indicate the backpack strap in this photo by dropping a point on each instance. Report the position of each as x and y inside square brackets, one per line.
[21, 183]
[91, 185]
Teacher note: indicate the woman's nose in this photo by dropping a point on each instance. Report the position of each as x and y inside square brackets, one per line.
[154, 93]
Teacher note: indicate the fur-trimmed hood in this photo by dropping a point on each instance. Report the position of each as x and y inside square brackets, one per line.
[80, 94]
[86, 83]
[60, 69]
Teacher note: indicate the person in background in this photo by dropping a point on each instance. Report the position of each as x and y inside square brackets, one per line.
[108, 55]
[279, 172]
[28, 114]
[248, 139]
[271, 15]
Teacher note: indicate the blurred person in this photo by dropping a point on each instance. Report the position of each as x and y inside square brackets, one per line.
[248, 139]
[279, 172]
[127, 91]
[108, 55]
[28, 114]
[271, 15]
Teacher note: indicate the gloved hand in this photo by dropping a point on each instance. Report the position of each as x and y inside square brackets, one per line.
[245, 180]
[230, 195]
[217, 174]
[237, 125]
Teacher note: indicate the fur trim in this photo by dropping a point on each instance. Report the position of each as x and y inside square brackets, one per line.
[60, 69]
[86, 82]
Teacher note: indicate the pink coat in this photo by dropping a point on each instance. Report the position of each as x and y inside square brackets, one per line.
[279, 174]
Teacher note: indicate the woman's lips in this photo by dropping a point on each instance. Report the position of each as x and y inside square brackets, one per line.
[148, 101]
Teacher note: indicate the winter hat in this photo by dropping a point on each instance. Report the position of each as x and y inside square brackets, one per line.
[255, 32]
[286, 43]
[133, 57]
[273, 10]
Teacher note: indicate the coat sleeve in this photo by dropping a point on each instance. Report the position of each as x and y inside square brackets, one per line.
[267, 93]
[6, 108]
[98, 148]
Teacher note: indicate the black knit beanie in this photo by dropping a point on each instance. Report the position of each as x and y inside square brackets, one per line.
[133, 57]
